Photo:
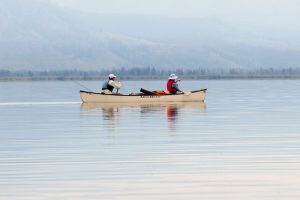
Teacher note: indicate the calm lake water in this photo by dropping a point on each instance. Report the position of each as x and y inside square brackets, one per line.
[243, 143]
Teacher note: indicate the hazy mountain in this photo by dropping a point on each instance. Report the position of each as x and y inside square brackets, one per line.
[38, 35]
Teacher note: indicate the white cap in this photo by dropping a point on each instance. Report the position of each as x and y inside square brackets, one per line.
[112, 76]
[173, 77]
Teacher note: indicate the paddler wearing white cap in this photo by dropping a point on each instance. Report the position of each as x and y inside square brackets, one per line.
[109, 85]
[172, 85]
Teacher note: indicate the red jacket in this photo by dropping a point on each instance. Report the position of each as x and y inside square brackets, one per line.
[170, 87]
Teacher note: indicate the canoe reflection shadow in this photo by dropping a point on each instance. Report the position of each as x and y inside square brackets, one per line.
[113, 112]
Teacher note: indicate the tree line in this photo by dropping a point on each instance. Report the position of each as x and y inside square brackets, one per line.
[150, 73]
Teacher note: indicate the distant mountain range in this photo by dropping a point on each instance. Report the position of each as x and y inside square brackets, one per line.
[36, 35]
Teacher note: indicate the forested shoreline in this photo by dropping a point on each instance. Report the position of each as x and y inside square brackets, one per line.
[150, 73]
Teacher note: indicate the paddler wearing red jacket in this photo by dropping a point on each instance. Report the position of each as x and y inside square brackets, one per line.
[172, 85]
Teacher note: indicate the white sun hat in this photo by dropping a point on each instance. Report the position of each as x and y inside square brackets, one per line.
[112, 76]
[173, 77]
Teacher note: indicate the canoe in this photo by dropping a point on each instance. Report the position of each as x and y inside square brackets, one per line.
[92, 97]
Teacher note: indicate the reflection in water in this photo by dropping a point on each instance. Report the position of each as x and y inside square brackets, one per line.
[172, 114]
[108, 113]
[86, 107]
[168, 112]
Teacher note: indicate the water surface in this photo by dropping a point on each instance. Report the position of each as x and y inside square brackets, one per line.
[242, 143]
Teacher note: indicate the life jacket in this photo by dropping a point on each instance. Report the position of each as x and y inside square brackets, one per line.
[170, 88]
[106, 86]
[159, 92]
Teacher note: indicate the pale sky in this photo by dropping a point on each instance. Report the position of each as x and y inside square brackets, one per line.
[199, 8]
[278, 16]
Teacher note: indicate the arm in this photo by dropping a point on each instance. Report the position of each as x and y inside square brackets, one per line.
[114, 84]
[175, 85]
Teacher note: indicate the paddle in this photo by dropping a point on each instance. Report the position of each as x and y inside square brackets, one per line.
[118, 89]
[187, 93]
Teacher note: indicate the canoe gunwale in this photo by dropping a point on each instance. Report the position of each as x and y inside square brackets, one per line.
[127, 95]
[93, 97]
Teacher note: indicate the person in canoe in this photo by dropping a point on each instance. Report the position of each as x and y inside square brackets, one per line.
[110, 84]
[172, 84]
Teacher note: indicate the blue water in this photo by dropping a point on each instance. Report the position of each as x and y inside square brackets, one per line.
[242, 143]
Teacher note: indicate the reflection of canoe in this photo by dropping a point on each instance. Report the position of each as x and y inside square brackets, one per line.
[154, 105]
[193, 96]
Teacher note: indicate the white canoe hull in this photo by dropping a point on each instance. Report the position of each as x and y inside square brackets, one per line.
[91, 97]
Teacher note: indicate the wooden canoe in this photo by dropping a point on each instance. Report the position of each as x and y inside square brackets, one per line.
[92, 97]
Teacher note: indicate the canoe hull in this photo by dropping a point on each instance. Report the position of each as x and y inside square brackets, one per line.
[91, 97]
